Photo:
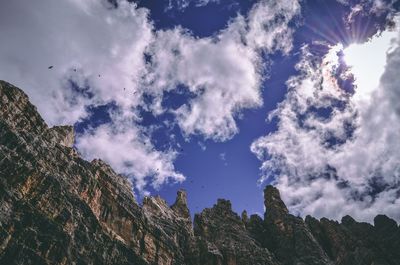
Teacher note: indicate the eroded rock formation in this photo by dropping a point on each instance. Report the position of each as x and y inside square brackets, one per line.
[56, 208]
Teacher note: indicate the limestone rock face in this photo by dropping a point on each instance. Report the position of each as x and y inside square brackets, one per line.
[52, 201]
[288, 236]
[63, 135]
[57, 208]
[350, 242]
[227, 241]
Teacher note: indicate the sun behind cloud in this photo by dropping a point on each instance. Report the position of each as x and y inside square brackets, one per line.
[367, 61]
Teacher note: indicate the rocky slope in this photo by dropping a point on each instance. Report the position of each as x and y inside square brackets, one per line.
[56, 208]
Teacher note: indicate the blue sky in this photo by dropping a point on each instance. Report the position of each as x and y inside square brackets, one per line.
[235, 176]
[177, 95]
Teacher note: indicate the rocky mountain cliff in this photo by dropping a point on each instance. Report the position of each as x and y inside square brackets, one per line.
[56, 208]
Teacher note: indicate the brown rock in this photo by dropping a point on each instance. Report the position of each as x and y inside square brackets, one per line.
[56, 208]
[287, 236]
[228, 241]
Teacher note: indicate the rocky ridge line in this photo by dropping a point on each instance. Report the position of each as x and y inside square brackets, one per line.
[56, 208]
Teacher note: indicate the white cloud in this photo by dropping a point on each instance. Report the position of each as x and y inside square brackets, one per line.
[183, 4]
[82, 35]
[358, 173]
[367, 77]
[222, 156]
[206, 2]
[223, 71]
[223, 75]
[268, 25]
[128, 150]
[94, 39]
[98, 57]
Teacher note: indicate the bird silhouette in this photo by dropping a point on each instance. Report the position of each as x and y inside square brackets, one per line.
[50, 67]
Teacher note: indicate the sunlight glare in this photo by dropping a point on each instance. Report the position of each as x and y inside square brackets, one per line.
[367, 62]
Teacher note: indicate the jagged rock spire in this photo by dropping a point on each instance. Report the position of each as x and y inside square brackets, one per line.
[224, 205]
[245, 217]
[382, 222]
[273, 202]
[288, 236]
[180, 206]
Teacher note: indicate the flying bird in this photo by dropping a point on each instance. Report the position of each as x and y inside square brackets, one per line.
[50, 67]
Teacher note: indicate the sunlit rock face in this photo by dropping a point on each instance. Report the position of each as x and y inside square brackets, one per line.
[63, 135]
[56, 208]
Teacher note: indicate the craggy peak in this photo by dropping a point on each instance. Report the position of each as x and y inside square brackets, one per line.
[57, 208]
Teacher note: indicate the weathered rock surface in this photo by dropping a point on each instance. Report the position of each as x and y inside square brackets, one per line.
[286, 233]
[226, 239]
[56, 208]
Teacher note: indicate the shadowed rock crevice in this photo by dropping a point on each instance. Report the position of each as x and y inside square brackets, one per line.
[56, 208]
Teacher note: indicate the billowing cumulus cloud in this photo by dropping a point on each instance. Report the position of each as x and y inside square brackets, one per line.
[223, 71]
[129, 151]
[335, 151]
[105, 55]
[86, 36]
[96, 51]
